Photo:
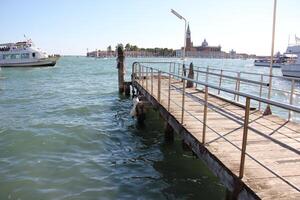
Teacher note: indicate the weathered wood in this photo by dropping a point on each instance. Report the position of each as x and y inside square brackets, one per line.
[190, 84]
[121, 70]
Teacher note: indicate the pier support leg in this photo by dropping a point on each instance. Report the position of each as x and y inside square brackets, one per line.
[140, 113]
[185, 146]
[127, 88]
[169, 133]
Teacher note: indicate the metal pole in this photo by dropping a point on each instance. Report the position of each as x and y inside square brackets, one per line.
[140, 73]
[260, 89]
[183, 100]
[268, 108]
[291, 97]
[151, 81]
[220, 81]
[169, 93]
[239, 84]
[143, 75]
[245, 134]
[197, 77]
[147, 78]
[159, 86]
[205, 115]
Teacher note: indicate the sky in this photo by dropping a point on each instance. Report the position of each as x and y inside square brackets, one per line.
[69, 27]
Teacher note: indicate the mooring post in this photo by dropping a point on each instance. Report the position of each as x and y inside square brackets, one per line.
[190, 84]
[120, 67]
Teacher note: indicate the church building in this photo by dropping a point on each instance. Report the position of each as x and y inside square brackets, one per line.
[204, 50]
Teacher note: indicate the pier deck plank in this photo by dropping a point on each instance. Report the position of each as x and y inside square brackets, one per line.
[273, 144]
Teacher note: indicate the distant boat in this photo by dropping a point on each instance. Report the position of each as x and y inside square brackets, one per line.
[292, 70]
[24, 54]
[279, 61]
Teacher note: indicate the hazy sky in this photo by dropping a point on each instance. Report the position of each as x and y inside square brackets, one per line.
[72, 26]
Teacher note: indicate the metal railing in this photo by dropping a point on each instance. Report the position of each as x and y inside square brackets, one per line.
[138, 69]
[237, 79]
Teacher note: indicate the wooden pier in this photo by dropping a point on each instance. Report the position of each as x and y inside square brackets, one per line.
[254, 156]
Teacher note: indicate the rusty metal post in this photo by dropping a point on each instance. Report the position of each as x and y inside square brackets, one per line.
[205, 114]
[143, 75]
[121, 70]
[245, 134]
[147, 78]
[151, 81]
[169, 93]
[159, 86]
[183, 101]
[140, 73]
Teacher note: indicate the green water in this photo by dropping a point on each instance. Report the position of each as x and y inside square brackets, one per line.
[65, 133]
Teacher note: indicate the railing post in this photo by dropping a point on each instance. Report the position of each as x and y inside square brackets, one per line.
[205, 114]
[207, 71]
[143, 75]
[151, 81]
[178, 69]
[260, 89]
[174, 66]
[245, 134]
[147, 78]
[183, 100]
[220, 81]
[140, 76]
[169, 93]
[197, 77]
[291, 96]
[238, 86]
[159, 86]
[133, 72]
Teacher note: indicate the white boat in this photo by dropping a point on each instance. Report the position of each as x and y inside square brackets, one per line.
[266, 63]
[279, 60]
[292, 70]
[24, 54]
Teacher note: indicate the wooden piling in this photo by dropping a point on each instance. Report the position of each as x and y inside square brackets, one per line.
[121, 70]
[190, 84]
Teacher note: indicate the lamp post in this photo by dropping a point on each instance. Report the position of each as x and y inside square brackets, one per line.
[185, 22]
[268, 108]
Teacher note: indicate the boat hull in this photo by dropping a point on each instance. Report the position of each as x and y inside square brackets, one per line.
[291, 70]
[48, 62]
[263, 64]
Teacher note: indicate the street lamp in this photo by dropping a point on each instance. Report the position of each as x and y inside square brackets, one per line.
[180, 17]
[268, 108]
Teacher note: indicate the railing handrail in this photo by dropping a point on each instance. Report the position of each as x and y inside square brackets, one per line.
[232, 71]
[253, 97]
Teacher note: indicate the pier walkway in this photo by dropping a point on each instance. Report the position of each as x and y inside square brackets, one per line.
[254, 156]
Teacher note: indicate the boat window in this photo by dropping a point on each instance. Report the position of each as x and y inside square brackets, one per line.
[18, 56]
[24, 55]
[33, 55]
[6, 56]
[13, 56]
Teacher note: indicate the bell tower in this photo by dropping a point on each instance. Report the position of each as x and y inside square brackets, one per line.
[188, 41]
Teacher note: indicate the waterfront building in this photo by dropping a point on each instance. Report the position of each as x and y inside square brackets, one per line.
[205, 50]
